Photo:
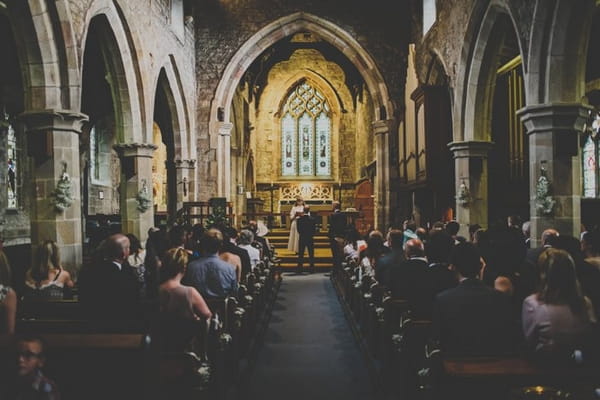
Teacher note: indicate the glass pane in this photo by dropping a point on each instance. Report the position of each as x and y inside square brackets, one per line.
[12, 168]
[305, 154]
[288, 146]
[323, 145]
[589, 168]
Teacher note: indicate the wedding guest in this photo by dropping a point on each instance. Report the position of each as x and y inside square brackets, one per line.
[558, 318]
[47, 279]
[8, 297]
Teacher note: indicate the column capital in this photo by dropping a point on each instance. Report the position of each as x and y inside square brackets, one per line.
[135, 149]
[185, 164]
[471, 149]
[225, 128]
[554, 117]
[53, 120]
[383, 126]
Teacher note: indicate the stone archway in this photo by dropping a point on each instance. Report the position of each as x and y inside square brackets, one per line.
[474, 103]
[220, 108]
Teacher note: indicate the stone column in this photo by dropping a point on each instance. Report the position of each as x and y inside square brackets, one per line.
[382, 130]
[53, 142]
[471, 179]
[553, 131]
[184, 171]
[224, 160]
[136, 180]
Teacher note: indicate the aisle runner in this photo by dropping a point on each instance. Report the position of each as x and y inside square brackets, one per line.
[309, 352]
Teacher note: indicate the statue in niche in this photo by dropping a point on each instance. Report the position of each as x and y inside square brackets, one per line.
[12, 177]
[305, 143]
[288, 147]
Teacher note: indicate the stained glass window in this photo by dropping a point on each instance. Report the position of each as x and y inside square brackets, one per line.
[306, 133]
[100, 153]
[589, 168]
[12, 174]
[590, 155]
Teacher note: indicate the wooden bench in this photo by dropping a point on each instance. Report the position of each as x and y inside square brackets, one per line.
[497, 377]
[94, 366]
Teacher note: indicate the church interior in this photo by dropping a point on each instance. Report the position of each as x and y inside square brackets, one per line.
[156, 117]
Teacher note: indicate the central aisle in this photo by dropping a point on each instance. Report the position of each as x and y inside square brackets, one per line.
[309, 352]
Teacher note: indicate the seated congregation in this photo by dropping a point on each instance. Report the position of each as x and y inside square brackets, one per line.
[441, 316]
[176, 318]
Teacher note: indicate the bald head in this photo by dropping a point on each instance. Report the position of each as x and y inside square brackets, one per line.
[117, 247]
[548, 236]
[414, 248]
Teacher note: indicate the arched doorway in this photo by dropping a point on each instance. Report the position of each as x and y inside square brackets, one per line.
[164, 174]
[508, 190]
[364, 203]
[100, 162]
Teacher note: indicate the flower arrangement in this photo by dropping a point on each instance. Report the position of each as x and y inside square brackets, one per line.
[544, 203]
[143, 198]
[61, 196]
[463, 197]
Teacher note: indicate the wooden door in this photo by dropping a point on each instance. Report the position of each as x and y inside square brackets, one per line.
[365, 205]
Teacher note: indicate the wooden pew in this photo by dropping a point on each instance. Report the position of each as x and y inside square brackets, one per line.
[498, 377]
[94, 366]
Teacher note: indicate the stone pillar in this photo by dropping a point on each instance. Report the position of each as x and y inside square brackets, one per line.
[471, 179]
[224, 160]
[553, 131]
[53, 142]
[136, 179]
[382, 130]
[184, 170]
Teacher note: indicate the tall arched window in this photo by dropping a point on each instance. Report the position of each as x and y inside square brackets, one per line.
[590, 155]
[306, 133]
[12, 160]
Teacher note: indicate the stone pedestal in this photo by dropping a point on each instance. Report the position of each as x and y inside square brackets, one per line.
[224, 160]
[381, 130]
[136, 177]
[553, 131]
[184, 170]
[471, 183]
[53, 142]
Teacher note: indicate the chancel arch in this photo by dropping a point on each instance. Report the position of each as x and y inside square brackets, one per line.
[259, 43]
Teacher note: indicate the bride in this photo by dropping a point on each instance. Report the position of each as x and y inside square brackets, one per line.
[293, 242]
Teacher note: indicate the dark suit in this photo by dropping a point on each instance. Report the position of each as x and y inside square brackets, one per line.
[386, 264]
[534, 254]
[337, 232]
[306, 226]
[474, 319]
[409, 281]
[107, 292]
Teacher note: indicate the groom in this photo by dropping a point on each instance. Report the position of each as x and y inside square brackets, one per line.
[306, 226]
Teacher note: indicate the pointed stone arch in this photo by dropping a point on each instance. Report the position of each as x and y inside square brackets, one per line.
[38, 54]
[477, 92]
[556, 65]
[288, 25]
[124, 68]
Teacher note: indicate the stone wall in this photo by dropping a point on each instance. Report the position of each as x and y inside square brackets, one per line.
[222, 28]
[457, 26]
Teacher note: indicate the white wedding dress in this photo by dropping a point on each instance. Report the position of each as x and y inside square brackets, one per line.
[294, 240]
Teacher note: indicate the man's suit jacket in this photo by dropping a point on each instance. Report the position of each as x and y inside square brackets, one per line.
[409, 281]
[534, 254]
[306, 226]
[386, 264]
[337, 224]
[474, 319]
[106, 291]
